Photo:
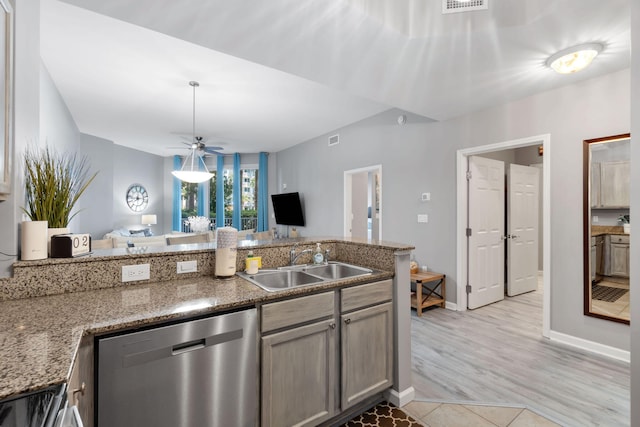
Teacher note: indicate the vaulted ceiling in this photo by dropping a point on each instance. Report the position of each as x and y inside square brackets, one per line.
[274, 74]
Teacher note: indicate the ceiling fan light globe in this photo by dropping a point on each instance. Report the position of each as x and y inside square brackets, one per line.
[194, 177]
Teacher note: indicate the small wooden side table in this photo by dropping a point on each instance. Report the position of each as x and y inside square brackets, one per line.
[426, 293]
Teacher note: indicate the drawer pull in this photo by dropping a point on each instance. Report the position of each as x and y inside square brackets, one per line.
[347, 321]
[80, 390]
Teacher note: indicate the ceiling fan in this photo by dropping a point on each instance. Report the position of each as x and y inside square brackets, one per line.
[197, 142]
[199, 145]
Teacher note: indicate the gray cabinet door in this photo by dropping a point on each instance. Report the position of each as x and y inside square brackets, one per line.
[620, 259]
[366, 352]
[614, 187]
[299, 368]
[80, 390]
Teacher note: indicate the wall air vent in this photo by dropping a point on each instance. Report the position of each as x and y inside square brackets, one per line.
[334, 140]
[454, 6]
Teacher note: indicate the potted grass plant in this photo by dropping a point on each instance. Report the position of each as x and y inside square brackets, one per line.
[54, 182]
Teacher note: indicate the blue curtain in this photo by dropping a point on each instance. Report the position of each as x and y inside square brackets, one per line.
[201, 196]
[220, 192]
[263, 194]
[237, 192]
[177, 187]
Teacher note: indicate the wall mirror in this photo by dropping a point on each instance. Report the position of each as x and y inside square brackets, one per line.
[607, 228]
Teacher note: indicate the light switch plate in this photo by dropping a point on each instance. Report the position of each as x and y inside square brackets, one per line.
[423, 218]
[187, 266]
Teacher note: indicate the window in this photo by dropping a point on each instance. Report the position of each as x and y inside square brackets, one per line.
[189, 200]
[248, 198]
[248, 214]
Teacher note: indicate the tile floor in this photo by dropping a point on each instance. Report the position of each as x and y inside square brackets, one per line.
[618, 308]
[437, 414]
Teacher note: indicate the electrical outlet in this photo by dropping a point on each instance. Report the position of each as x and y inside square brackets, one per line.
[595, 218]
[187, 266]
[423, 218]
[132, 273]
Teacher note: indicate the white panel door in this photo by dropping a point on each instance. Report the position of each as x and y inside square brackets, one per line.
[359, 195]
[486, 221]
[523, 188]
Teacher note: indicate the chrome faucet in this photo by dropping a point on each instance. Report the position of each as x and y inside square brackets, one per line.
[293, 257]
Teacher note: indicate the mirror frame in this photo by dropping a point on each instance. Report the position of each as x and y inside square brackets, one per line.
[586, 223]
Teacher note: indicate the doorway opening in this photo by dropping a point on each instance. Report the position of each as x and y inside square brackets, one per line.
[462, 218]
[363, 203]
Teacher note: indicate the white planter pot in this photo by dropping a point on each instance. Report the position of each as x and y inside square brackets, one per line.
[53, 232]
[33, 240]
[626, 228]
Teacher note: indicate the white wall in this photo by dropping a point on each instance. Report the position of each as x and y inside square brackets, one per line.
[420, 158]
[635, 207]
[26, 121]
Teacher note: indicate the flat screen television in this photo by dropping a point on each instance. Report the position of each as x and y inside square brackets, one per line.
[287, 209]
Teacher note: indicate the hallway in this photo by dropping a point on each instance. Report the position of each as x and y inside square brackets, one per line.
[496, 355]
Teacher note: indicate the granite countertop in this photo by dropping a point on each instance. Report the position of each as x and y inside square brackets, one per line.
[39, 336]
[603, 230]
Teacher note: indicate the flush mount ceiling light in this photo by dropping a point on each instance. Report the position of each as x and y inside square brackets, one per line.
[193, 174]
[575, 58]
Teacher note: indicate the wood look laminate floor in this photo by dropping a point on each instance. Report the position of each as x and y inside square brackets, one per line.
[496, 355]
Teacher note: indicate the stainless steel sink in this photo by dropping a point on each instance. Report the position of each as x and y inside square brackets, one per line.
[274, 280]
[336, 271]
[303, 275]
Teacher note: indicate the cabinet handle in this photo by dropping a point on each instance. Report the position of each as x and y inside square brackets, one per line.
[347, 321]
[332, 325]
[80, 390]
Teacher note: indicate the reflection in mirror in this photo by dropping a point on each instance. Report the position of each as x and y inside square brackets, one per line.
[607, 228]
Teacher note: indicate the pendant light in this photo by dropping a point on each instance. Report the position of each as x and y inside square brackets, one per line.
[193, 174]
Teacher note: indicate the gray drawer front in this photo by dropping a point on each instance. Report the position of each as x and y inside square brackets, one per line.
[616, 238]
[297, 310]
[364, 295]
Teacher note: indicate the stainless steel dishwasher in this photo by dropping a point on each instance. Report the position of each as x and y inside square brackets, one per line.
[193, 374]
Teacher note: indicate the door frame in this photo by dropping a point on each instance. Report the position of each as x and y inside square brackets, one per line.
[348, 197]
[461, 218]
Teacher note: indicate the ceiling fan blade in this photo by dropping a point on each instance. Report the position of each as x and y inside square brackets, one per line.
[213, 150]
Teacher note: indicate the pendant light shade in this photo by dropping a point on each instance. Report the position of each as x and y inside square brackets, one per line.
[193, 174]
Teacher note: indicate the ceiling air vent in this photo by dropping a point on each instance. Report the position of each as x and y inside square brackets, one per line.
[454, 6]
[334, 140]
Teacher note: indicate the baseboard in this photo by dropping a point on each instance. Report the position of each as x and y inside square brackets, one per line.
[399, 399]
[451, 306]
[594, 347]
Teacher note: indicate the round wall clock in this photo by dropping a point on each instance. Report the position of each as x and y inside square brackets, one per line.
[137, 197]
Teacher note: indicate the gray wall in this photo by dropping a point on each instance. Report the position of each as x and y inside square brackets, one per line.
[635, 206]
[57, 127]
[119, 167]
[421, 157]
[96, 217]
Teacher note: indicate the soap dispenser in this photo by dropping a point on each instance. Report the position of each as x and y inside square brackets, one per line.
[318, 256]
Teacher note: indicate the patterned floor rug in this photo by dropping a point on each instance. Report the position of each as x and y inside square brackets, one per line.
[605, 293]
[383, 415]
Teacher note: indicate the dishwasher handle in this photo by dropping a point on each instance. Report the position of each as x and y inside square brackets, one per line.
[133, 359]
[188, 346]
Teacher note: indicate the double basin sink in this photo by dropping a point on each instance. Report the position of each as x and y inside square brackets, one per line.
[302, 275]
